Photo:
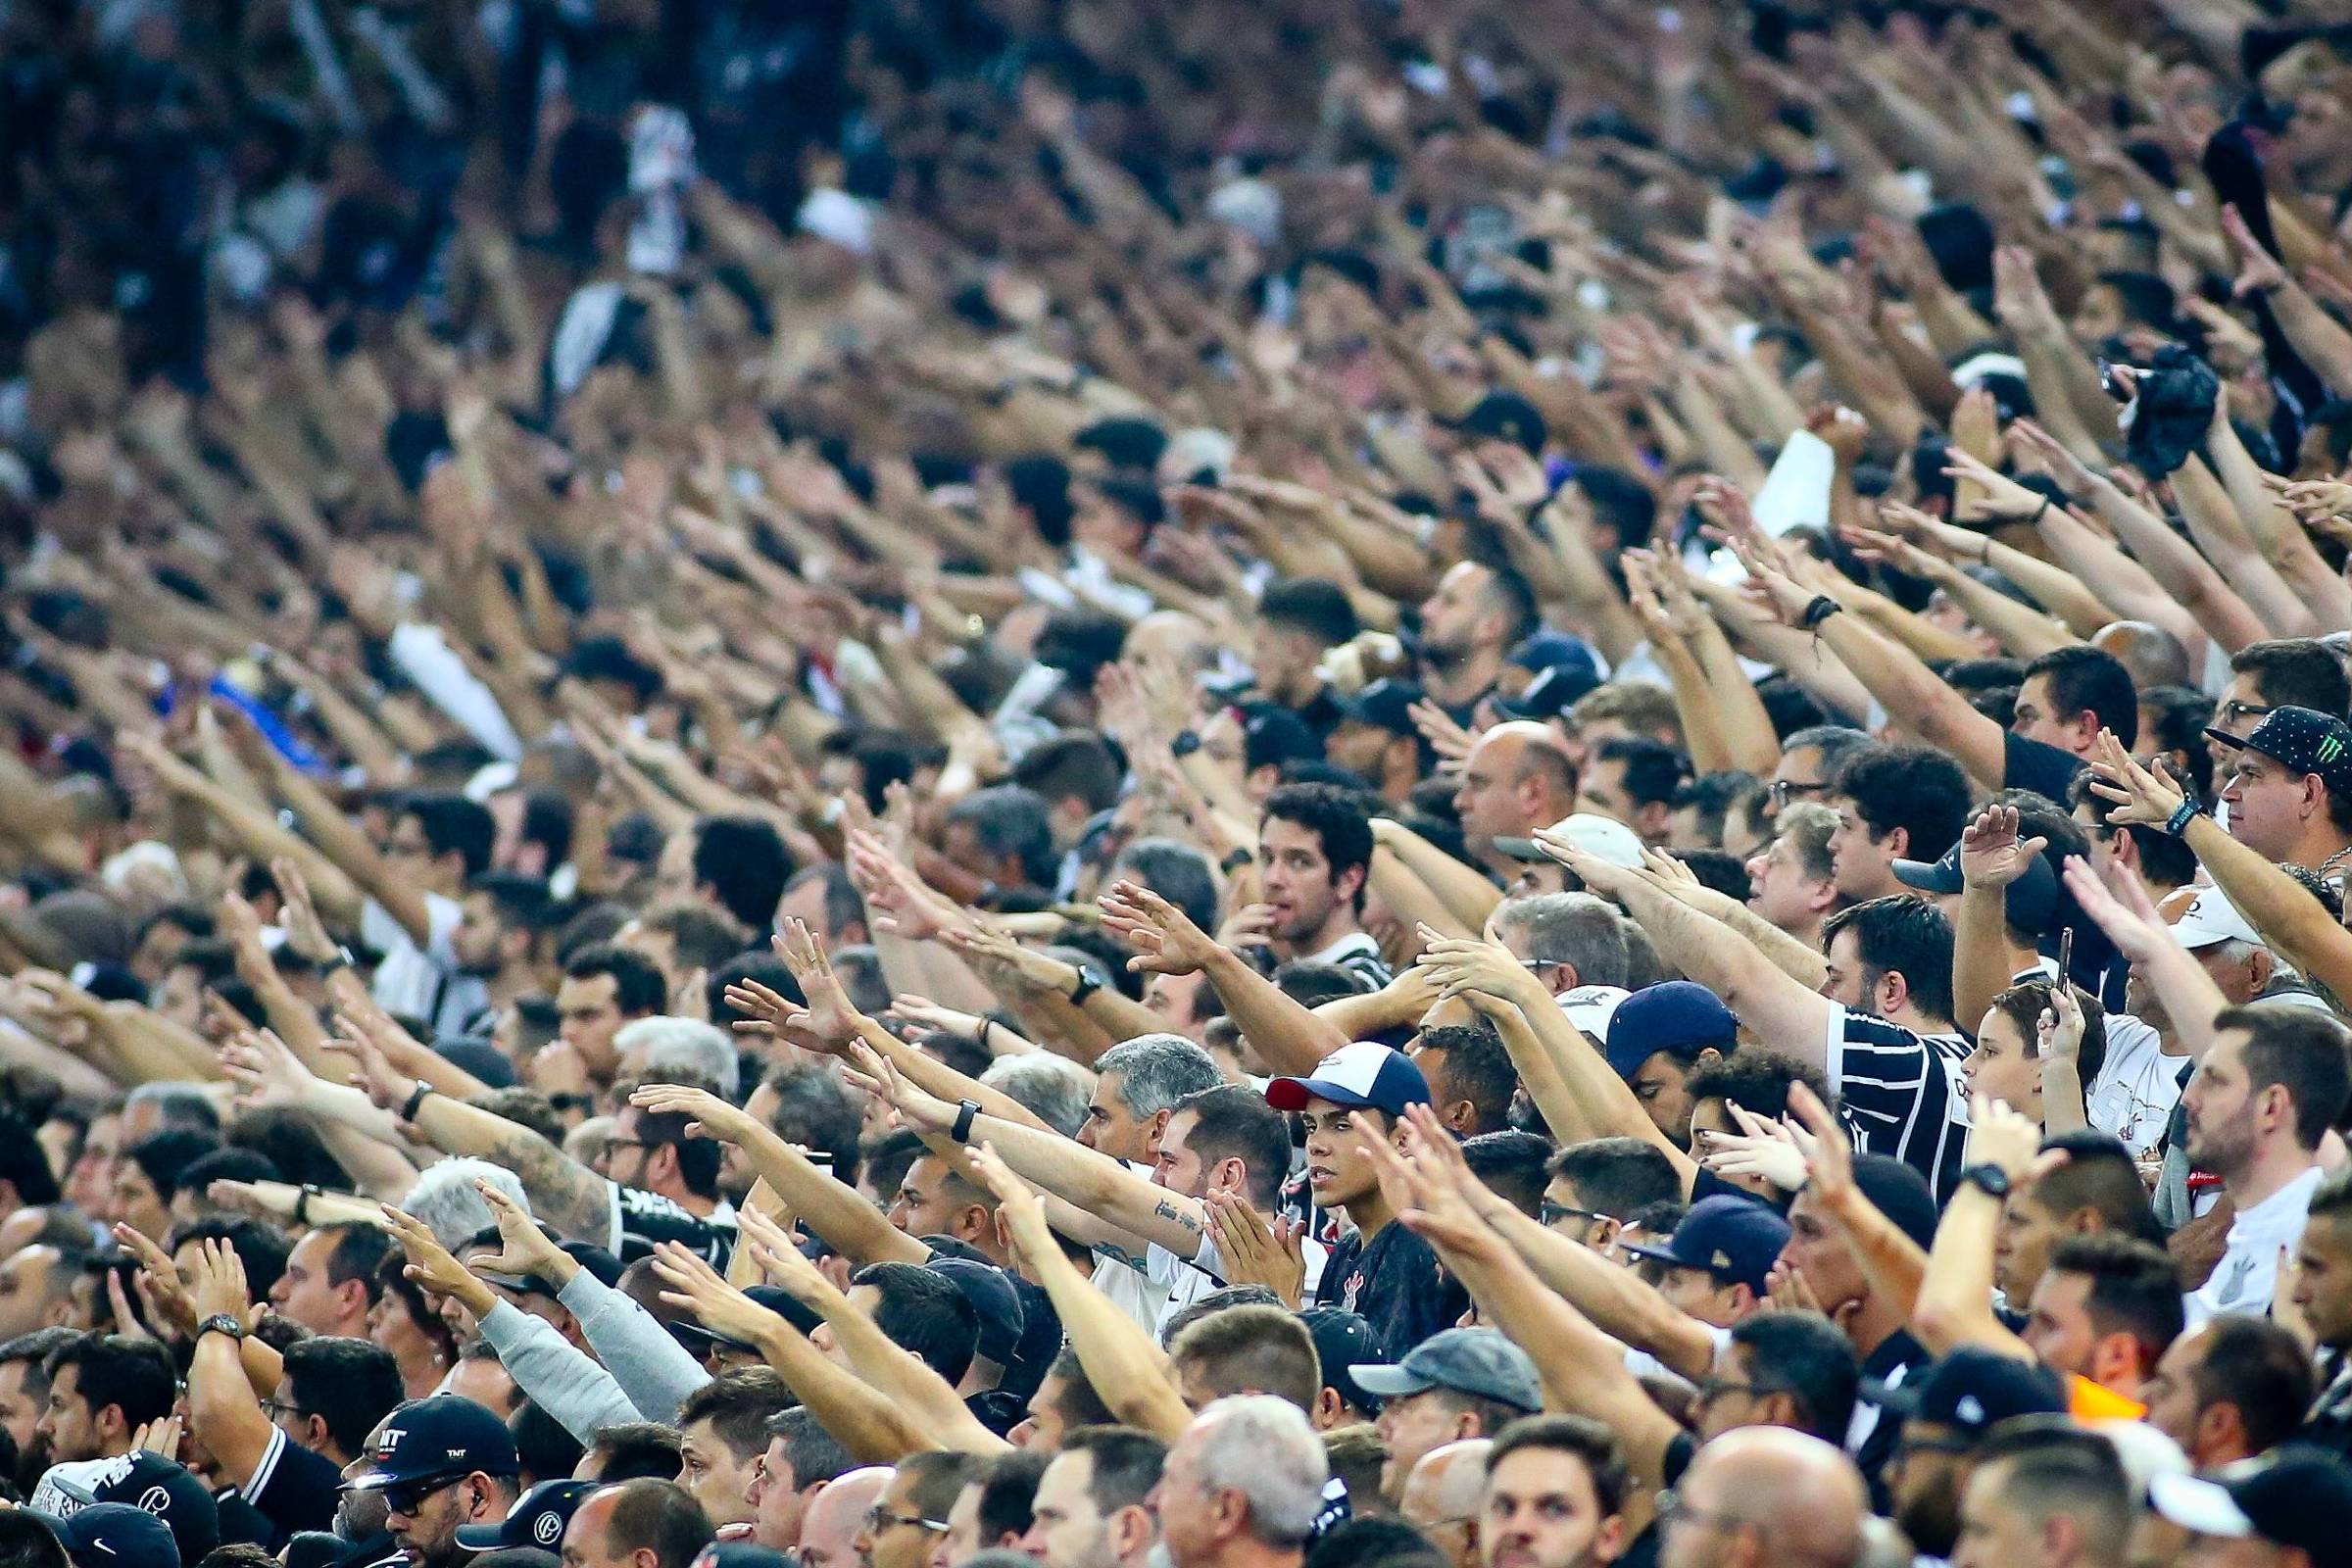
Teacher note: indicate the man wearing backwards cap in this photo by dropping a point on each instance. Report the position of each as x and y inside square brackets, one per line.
[2290, 794]
[1463, 1382]
[1381, 1270]
[2293, 1501]
[440, 1464]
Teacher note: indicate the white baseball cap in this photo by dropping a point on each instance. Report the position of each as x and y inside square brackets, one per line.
[2210, 921]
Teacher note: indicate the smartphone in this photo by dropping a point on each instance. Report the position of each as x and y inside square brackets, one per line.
[2066, 956]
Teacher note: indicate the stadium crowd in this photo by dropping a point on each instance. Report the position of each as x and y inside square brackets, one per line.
[1175, 784]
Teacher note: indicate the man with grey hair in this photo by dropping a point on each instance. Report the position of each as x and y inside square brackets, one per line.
[162, 1107]
[445, 1203]
[1052, 1088]
[1137, 1084]
[1243, 1486]
[1571, 940]
[658, 1047]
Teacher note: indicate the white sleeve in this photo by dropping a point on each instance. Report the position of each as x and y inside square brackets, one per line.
[438, 673]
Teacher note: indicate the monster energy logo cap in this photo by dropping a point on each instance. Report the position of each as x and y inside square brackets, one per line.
[2303, 740]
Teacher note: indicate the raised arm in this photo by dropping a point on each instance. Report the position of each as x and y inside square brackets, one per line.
[1954, 1303]
[1290, 1039]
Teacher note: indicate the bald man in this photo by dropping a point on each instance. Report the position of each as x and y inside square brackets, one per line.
[2153, 655]
[1441, 1495]
[1766, 1494]
[1517, 779]
[829, 1530]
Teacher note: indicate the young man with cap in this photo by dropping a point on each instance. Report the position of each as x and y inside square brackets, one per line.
[440, 1464]
[113, 1534]
[1947, 1412]
[1380, 1269]
[1713, 1268]
[1539, 872]
[536, 1520]
[1463, 1382]
[146, 1481]
[2293, 1501]
[1659, 1036]
[2289, 795]
[1343, 1339]
[1375, 737]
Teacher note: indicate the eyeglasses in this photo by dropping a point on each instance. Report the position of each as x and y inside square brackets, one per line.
[1710, 1390]
[1784, 790]
[877, 1521]
[410, 1496]
[1552, 1213]
[2229, 714]
[278, 1411]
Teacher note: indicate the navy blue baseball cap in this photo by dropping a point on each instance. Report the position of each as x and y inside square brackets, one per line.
[113, 1534]
[1680, 1017]
[440, 1438]
[1735, 1240]
[1361, 1074]
[993, 1299]
[1384, 704]
[1343, 1339]
[537, 1518]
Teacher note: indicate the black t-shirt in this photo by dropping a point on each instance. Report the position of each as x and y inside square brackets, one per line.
[1393, 1282]
[1898, 1359]
[294, 1488]
[2032, 765]
[645, 1220]
[1642, 1551]
[1040, 1342]
[244, 1525]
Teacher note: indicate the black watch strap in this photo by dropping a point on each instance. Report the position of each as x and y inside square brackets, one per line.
[966, 1111]
[1989, 1179]
[220, 1323]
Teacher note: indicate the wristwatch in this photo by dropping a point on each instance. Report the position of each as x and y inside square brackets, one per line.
[220, 1323]
[966, 1111]
[1991, 1179]
[1186, 742]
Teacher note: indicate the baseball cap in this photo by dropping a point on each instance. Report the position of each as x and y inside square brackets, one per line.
[1342, 1342]
[146, 1481]
[994, 1301]
[1681, 1017]
[2305, 739]
[1478, 1361]
[1591, 1008]
[433, 1439]
[1554, 690]
[1736, 1240]
[2031, 902]
[1897, 1189]
[1505, 416]
[113, 1534]
[1364, 1074]
[1601, 836]
[2296, 1497]
[537, 1518]
[2210, 921]
[1973, 1389]
[786, 1306]
[1384, 704]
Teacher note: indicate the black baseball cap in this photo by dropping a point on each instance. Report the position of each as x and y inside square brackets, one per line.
[537, 1518]
[786, 1306]
[440, 1438]
[113, 1534]
[2304, 739]
[1973, 1389]
[1384, 704]
[993, 1299]
[1343, 1339]
[2030, 904]
[2296, 1497]
[1506, 416]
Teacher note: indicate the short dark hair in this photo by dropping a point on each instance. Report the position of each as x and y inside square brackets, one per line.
[1335, 816]
[522, 902]
[1902, 934]
[135, 1376]
[1008, 1489]
[1713, 795]
[814, 1454]
[1321, 609]
[163, 1155]
[1250, 1349]
[1511, 1165]
[350, 1384]
[738, 1405]
[26, 1543]
[1579, 1437]
[2059, 1467]
[2024, 1003]
[2303, 1050]
[452, 824]
[1478, 1069]
[1756, 1080]
[2134, 1286]
[1010, 819]
[1512, 594]
[225, 1163]
[844, 906]
[1653, 770]
[1235, 1122]
[1126, 1465]
[1079, 1406]
[23, 1164]
[1805, 1357]
[1618, 1176]
[2082, 677]
[1368, 1540]
[2296, 672]
[633, 1448]
[2260, 1368]
[261, 1245]
[2168, 860]
[544, 1448]
[699, 1158]
[657, 1515]
[744, 861]
[704, 938]
[2101, 1175]
[638, 983]
[1075, 765]
[925, 1315]
[1178, 872]
[1914, 788]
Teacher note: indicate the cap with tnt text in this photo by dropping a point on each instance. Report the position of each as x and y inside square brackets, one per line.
[537, 1519]
[1361, 1074]
[1478, 1361]
[444, 1436]
[2304, 739]
[1973, 1391]
[2296, 1497]
[1680, 1017]
[1736, 1240]
[113, 1534]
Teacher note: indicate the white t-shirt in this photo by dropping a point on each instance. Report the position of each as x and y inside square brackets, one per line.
[2137, 1085]
[1188, 1282]
[423, 982]
[2248, 1272]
